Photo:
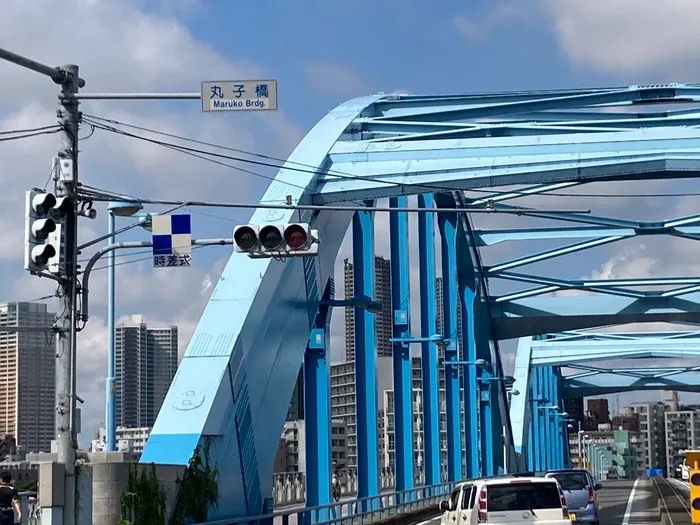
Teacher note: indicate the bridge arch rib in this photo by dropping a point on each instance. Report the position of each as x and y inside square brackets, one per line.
[244, 356]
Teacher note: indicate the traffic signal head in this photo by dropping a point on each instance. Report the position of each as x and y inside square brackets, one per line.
[297, 236]
[288, 240]
[43, 215]
[245, 238]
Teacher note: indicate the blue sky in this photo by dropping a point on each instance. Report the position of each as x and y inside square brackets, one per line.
[321, 54]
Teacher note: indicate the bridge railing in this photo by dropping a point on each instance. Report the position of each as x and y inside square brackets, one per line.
[289, 488]
[364, 510]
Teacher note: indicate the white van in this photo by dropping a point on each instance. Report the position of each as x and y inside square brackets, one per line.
[505, 501]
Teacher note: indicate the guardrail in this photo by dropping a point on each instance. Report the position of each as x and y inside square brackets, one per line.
[30, 508]
[418, 501]
[289, 488]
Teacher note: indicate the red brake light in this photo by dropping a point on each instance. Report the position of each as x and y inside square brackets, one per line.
[483, 514]
[564, 508]
[591, 495]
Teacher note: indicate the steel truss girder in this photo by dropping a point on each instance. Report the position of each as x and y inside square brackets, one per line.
[404, 144]
[537, 315]
[565, 353]
[601, 384]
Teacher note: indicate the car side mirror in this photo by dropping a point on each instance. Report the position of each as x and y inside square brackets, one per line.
[444, 506]
[598, 486]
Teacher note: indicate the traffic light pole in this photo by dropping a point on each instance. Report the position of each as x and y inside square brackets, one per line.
[66, 363]
[66, 184]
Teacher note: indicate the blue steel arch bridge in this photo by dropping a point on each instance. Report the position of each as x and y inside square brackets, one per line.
[446, 158]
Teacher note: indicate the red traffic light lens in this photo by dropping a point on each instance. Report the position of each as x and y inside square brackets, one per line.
[295, 236]
[270, 237]
[245, 238]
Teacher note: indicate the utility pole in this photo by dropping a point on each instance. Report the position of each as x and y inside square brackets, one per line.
[66, 185]
[66, 363]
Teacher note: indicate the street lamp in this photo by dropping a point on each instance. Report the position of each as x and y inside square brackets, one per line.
[115, 209]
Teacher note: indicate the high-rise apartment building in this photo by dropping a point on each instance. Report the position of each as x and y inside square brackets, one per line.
[652, 431]
[383, 321]
[146, 362]
[682, 430]
[388, 452]
[343, 402]
[28, 377]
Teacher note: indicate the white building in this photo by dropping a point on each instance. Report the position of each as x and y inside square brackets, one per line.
[343, 398]
[292, 451]
[28, 377]
[131, 440]
[652, 431]
[682, 433]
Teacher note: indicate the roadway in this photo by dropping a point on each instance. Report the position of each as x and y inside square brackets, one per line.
[620, 503]
[623, 502]
[674, 500]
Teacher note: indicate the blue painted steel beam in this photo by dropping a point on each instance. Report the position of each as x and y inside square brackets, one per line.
[538, 315]
[556, 101]
[602, 384]
[447, 224]
[520, 406]
[500, 418]
[493, 237]
[486, 423]
[549, 254]
[365, 358]
[400, 303]
[468, 290]
[577, 352]
[520, 124]
[429, 358]
[317, 413]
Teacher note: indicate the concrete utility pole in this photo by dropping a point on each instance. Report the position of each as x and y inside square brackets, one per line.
[66, 184]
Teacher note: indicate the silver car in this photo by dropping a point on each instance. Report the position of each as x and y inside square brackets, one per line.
[580, 494]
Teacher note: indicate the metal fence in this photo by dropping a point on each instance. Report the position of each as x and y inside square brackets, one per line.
[355, 512]
[289, 488]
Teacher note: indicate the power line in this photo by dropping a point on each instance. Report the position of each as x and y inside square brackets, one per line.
[7, 137]
[140, 259]
[96, 196]
[194, 152]
[31, 130]
[306, 168]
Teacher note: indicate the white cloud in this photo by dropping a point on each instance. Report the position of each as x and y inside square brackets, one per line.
[629, 36]
[337, 79]
[478, 28]
[122, 48]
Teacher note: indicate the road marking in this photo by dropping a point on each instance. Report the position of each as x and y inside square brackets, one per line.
[428, 522]
[630, 502]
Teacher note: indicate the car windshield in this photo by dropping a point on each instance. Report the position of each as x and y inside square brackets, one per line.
[522, 496]
[572, 480]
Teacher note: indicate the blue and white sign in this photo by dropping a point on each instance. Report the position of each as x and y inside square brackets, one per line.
[172, 240]
[239, 95]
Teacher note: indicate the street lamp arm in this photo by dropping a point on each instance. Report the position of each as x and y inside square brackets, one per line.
[84, 291]
[107, 236]
[58, 74]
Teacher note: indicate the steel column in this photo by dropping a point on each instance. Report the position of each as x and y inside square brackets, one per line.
[365, 357]
[542, 418]
[447, 224]
[400, 304]
[110, 387]
[317, 421]
[467, 290]
[486, 420]
[429, 361]
[317, 414]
